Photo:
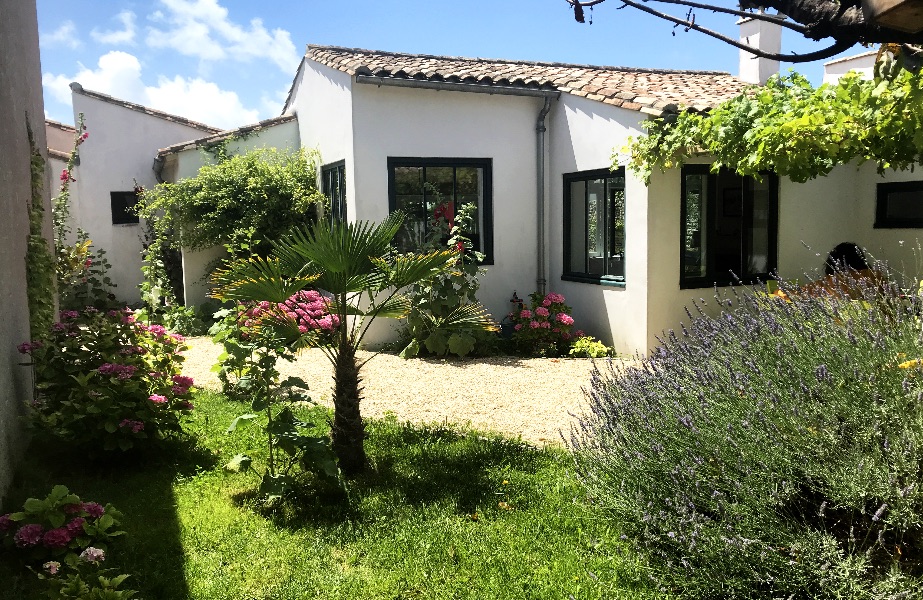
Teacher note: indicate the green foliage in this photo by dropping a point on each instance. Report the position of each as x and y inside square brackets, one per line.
[774, 450]
[105, 382]
[589, 347]
[242, 202]
[445, 316]
[794, 130]
[40, 275]
[74, 587]
[543, 329]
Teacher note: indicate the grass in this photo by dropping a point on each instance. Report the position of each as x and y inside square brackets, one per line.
[444, 513]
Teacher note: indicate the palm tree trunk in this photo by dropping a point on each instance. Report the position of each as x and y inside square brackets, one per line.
[348, 432]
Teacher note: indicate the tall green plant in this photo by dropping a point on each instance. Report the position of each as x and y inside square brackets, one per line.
[356, 265]
[445, 316]
[40, 274]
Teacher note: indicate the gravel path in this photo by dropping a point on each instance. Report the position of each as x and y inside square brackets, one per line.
[532, 398]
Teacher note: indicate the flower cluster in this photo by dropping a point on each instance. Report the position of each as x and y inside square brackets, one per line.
[305, 313]
[57, 525]
[544, 328]
[310, 311]
[132, 391]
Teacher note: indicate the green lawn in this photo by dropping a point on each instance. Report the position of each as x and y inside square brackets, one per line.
[426, 522]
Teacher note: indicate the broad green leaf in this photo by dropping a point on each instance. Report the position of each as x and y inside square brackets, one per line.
[235, 422]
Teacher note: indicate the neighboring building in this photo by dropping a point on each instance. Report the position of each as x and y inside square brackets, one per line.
[864, 64]
[21, 109]
[531, 144]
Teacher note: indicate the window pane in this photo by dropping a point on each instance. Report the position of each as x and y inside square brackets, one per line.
[596, 230]
[408, 184]
[616, 227]
[695, 230]
[905, 205]
[578, 222]
[469, 188]
[440, 190]
[757, 259]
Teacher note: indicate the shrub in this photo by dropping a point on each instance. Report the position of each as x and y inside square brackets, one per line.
[772, 451]
[589, 347]
[105, 381]
[544, 328]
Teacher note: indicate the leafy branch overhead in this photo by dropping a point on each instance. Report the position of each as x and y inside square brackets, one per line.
[841, 23]
[795, 130]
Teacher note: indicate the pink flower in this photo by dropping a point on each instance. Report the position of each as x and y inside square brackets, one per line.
[57, 538]
[546, 302]
[93, 509]
[135, 426]
[579, 333]
[182, 380]
[93, 555]
[545, 325]
[65, 175]
[565, 335]
[88, 263]
[28, 347]
[525, 314]
[51, 567]
[564, 319]
[28, 536]
[75, 527]
[518, 326]
[5, 523]
[541, 311]
[157, 399]
[554, 297]
[534, 325]
[69, 314]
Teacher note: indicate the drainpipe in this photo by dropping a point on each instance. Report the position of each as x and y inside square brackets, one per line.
[540, 193]
[158, 168]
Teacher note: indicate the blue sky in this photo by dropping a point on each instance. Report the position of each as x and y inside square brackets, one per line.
[230, 62]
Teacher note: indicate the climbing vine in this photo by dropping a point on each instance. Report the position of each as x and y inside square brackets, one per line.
[796, 130]
[40, 265]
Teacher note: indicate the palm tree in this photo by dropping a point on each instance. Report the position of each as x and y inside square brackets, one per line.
[356, 264]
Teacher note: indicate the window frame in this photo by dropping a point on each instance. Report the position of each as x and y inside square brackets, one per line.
[118, 208]
[486, 164]
[712, 279]
[882, 220]
[337, 205]
[586, 277]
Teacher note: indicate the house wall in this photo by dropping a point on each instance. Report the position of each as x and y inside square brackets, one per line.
[20, 103]
[401, 122]
[583, 134]
[120, 151]
[186, 164]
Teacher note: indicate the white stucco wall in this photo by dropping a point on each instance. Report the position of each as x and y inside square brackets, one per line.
[20, 104]
[186, 164]
[120, 150]
[583, 135]
[864, 64]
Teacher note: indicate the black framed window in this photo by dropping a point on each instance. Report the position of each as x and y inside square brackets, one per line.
[123, 204]
[425, 188]
[333, 185]
[728, 227]
[594, 226]
[899, 205]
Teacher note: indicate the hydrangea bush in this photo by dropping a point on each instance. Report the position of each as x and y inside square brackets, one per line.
[105, 381]
[544, 328]
[772, 451]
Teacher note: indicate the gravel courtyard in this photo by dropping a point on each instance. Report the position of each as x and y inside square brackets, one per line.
[532, 398]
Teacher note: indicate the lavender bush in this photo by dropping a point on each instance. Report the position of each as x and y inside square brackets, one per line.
[773, 451]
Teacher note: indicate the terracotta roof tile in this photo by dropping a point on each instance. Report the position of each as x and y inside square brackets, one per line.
[634, 89]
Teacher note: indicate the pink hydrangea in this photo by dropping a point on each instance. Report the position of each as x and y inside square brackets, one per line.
[28, 347]
[545, 325]
[564, 319]
[52, 567]
[534, 325]
[518, 326]
[554, 297]
[135, 426]
[28, 536]
[93, 555]
[57, 538]
[69, 314]
[525, 314]
[157, 399]
[541, 311]
[546, 302]
[93, 509]
[182, 380]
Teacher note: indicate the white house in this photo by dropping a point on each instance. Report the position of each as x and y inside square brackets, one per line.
[531, 144]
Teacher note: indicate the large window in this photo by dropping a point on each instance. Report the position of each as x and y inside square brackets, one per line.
[729, 227]
[426, 188]
[594, 226]
[122, 205]
[333, 185]
[900, 204]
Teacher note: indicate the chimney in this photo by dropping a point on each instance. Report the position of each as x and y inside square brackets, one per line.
[762, 35]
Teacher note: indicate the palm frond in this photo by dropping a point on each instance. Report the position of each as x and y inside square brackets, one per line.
[465, 317]
[406, 269]
[257, 279]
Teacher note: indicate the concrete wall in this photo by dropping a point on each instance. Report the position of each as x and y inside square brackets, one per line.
[20, 102]
[186, 164]
[120, 150]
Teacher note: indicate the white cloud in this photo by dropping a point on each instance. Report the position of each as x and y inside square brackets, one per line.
[65, 35]
[202, 29]
[126, 35]
[119, 74]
